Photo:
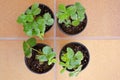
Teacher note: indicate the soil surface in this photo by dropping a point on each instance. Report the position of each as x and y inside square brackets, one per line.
[34, 64]
[77, 47]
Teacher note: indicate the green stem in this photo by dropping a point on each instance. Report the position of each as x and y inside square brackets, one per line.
[36, 50]
[33, 49]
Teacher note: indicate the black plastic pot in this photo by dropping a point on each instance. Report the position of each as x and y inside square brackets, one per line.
[45, 9]
[34, 65]
[75, 30]
[77, 47]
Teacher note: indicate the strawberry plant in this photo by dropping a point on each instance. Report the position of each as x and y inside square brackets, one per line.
[71, 15]
[71, 61]
[44, 54]
[34, 24]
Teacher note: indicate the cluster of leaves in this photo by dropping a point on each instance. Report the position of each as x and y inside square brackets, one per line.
[46, 54]
[71, 60]
[35, 25]
[71, 15]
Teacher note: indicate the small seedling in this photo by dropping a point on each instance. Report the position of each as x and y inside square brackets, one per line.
[71, 15]
[46, 54]
[33, 23]
[71, 61]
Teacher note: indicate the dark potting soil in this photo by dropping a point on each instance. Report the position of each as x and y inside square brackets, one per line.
[74, 30]
[77, 47]
[34, 64]
[45, 9]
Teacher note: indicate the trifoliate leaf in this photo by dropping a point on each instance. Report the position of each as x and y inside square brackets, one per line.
[62, 8]
[79, 55]
[27, 50]
[21, 18]
[71, 10]
[27, 27]
[70, 52]
[64, 16]
[47, 16]
[47, 50]
[29, 32]
[29, 18]
[28, 11]
[35, 6]
[81, 17]
[41, 58]
[49, 22]
[79, 6]
[36, 11]
[51, 55]
[74, 16]
[31, 42]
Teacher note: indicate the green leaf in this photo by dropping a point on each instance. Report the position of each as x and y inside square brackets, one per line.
[47, 50]
[64, 16]
[62, 64]
[64, 57]
[62, 8]
[71, 10]
[36, 11]
[51, 61]
[79, 55]
[81, 17]
[29, 32]
[35, 6]
[47, 16]
[27, 50]
[67, 23]
[27, 27]
[75, 23]
[51, 55]
[60, 21]
[31, 42]
[74, 17]
[76, 72]
[28, 11]
[36, 30]
[41, 58]
[21, 18]
[75, 63]
[29, 18]
[70, 52]
[48, 19]
[49, 22]
[63, 70]
[79, 6]
[41, 27]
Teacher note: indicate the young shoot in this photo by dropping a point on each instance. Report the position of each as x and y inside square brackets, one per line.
[33, 23]
[72, 61]
[46, 54]
[72, 15]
